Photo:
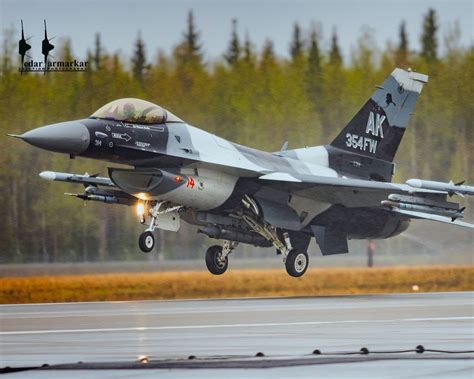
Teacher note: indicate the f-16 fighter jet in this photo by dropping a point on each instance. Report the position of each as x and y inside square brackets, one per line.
[177, 172]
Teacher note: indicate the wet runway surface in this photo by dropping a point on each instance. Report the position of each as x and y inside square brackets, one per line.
[281, 328]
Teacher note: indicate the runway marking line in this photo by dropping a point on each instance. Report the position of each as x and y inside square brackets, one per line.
[177, 327]
[250, 298]
[204, 310]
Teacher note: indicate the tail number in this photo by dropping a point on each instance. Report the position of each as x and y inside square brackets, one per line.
[361, 143]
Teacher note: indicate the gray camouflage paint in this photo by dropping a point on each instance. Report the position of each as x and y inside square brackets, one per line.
[322, 189]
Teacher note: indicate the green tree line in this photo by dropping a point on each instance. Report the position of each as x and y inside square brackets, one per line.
[248, 95]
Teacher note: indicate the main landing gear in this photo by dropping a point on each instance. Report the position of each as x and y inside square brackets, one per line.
[296, 262]
[146, 240]
[217, 257]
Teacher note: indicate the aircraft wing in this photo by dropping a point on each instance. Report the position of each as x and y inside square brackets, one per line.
[412, 202]
[346, 191]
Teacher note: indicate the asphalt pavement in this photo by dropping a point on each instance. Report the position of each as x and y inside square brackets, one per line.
[224, 336]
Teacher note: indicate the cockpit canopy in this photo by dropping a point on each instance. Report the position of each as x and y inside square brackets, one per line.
[135, 111]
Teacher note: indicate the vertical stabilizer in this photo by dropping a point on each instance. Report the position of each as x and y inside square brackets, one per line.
[377, 129]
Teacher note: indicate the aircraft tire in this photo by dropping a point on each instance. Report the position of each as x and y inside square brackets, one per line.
[296, 263]
[213, 262]
[146, 241]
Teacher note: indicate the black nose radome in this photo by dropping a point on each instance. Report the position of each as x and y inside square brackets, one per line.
[71, 137]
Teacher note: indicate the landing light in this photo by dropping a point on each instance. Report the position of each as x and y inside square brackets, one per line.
[140, 209]
[143, 359]
[141, 195]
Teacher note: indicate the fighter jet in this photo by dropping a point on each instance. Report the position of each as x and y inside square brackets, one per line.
[176, 172]
[46, 47]
[23, 47]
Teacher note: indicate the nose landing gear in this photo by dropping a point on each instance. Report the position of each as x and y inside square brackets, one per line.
[162, 215]
[146, 241]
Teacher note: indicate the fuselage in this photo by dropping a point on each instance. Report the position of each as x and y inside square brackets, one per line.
[175, 162]
[216, 173]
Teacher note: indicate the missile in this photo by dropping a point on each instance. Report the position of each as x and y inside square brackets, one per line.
[451, 188]
[74, 178]
[109, 196]
[452, 213]
[103, 198]
[419, 200]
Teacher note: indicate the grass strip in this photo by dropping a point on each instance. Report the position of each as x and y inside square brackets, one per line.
[235, 283]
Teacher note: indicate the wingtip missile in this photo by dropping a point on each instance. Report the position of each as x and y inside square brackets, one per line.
[450, 187]
[415, 183]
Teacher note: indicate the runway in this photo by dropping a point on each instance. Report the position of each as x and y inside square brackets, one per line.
[233, 329]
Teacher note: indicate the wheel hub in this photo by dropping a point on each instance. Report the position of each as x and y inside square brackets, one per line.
[300, 262]
[149, 241]
[219, 261]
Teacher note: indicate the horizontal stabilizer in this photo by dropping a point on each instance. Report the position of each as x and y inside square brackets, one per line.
[426, 216]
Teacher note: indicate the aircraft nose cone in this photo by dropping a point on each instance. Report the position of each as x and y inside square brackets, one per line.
[71, 137]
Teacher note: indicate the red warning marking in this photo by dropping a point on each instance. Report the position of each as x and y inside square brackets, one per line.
[190, 182]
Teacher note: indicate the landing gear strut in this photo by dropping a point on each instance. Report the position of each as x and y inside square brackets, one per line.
[296, 263]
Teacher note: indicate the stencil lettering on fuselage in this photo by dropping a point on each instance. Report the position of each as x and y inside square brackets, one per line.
[373, 128]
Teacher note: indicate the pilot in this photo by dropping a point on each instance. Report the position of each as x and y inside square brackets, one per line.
[129, 111]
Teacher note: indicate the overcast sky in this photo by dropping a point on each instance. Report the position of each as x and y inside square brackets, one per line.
[162, 22]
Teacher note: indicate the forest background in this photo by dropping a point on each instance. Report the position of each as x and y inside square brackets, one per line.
[249, 96]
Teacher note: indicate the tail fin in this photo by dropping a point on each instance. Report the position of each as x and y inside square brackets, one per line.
[377, 129]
